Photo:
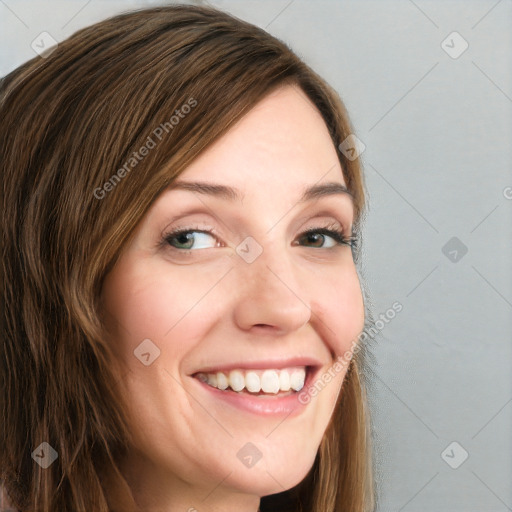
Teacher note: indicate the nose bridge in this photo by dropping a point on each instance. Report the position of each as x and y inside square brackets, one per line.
[271, 291]
[265, 257]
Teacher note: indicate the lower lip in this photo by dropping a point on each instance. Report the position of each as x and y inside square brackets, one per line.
[266, 405]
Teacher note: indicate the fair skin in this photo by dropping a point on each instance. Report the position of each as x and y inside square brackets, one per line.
[208, 307]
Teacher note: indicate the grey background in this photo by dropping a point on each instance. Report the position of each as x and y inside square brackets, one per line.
[438, 156]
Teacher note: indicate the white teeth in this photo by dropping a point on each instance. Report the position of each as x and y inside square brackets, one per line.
[270, 381]
[297, 380]
[254, 381]
[222, 381]
[212, 379]
[236, 380]
[284, 381]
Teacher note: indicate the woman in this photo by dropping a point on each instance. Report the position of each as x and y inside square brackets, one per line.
[182, 308]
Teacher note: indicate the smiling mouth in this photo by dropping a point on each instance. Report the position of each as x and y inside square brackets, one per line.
[280, 382]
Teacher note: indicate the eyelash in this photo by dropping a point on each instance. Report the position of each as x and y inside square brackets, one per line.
[338, 235]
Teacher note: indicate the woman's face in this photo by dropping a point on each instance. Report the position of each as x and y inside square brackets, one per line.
[243, 299]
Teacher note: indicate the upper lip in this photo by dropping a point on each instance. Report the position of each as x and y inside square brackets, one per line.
[262, 364]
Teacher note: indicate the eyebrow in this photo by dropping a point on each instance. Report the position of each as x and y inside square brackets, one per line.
[233, 194]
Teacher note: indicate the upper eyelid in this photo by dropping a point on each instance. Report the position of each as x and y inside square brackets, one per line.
[327, 206]
[204, 226]
[214, 233]
[345, 219]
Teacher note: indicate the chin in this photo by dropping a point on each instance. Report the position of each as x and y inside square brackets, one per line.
[271, 479]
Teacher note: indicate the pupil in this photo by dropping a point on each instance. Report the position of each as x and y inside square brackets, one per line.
[185, 238]
[314, 238]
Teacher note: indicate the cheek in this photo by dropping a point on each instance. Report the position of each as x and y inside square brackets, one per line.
[147, 304]
[338, 304]
[173, 311]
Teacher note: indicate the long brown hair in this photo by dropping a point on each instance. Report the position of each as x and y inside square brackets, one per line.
[71, 121]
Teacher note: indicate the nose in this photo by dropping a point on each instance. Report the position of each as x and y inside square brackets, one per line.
[270, 294]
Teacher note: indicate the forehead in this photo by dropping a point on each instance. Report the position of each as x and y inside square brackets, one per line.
[281, 144]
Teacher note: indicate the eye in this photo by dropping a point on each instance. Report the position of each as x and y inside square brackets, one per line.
[186, 240]
[318, 236]
[189, 239]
